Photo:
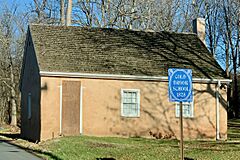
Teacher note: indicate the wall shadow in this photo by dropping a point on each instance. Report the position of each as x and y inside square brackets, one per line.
[158, 118]
[30, 85]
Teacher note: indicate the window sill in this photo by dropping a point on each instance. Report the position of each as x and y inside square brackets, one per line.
[186, 117]
[130, 116]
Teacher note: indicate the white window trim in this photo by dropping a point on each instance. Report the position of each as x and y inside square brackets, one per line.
[138, 102]
[29, 105]
[177, 107]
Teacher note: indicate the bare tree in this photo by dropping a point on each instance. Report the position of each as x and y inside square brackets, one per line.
[62, 12]
[11, 46]
[45, 12]
[69, 13]
[231, 39]
[222, 17]
[39, 9]
[212, 25]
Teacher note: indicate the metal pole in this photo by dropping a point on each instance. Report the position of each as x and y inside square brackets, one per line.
[181, 131]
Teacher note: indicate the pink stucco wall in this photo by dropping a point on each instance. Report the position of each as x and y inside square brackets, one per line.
[101, 104]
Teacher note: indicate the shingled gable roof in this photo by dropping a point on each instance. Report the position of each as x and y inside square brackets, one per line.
[120, 51]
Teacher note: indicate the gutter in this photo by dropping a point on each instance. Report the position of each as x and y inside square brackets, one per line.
[125, 77]
[217, 111]
[60, 109]
[81, 110]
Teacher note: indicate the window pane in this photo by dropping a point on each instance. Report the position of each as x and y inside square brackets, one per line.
[127, 100]
[134, 100]
[129, 95]
[125, 111]
[134, 95]
[130, 106]
[187, 109]
[177, 110]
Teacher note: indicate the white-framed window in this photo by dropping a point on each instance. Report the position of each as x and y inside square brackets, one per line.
[29, 105]
[130, 102]
[188, 108]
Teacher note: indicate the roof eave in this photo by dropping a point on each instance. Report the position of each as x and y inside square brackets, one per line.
[125, 77]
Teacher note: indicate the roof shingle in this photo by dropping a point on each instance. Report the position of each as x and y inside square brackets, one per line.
[118, 51]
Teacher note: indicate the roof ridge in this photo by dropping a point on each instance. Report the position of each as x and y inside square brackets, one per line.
[117, 29]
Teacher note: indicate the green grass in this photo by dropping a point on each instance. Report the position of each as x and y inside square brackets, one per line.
[94, 148]
[234, 129]
[84, 147]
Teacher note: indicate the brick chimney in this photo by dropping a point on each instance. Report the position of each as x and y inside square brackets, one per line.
[199, 28]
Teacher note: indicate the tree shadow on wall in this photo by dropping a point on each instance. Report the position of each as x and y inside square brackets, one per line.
[160, 116]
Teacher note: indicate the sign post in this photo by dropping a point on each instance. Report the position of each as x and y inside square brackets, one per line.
[181, 132]
[180, 90]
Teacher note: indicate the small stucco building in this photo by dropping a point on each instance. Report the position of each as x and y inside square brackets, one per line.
[113, 82]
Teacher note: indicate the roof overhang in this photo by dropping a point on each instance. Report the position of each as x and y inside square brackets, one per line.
[125, 77]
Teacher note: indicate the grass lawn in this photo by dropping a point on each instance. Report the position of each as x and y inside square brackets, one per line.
[93, 148]
[234, 129]
[98, 148]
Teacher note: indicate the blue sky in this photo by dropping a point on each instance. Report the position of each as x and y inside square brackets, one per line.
[21, 3]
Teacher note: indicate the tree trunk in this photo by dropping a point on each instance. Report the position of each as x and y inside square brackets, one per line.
[13, 97]
[62, 12]
[235, 90]
[103, 10]
[69, 13]
[109, 13]
[227, 59]
[132, 15]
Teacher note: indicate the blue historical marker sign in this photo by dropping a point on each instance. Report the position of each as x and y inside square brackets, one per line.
[180, 85]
